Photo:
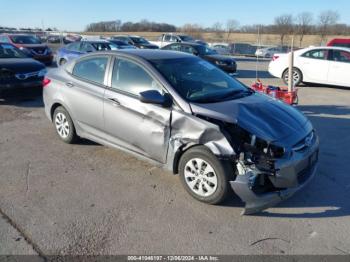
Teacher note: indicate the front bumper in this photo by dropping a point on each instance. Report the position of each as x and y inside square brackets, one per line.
[17, 85]
[229, 68]
[293, 174]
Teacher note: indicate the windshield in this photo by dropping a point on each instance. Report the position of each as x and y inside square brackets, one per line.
[204, 50]
[186, 38]
[199, 81]
[104, 46]
[9, 51]
[139, 40]
[25, 39]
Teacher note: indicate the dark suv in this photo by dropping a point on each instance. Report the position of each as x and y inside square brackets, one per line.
[136, 41]
[30, 45]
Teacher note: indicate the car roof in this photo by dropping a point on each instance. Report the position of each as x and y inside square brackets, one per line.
[187, 43]
[146, 54]
[95, 41]
[325, 47]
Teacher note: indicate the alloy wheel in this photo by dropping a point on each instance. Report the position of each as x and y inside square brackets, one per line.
[62, 125]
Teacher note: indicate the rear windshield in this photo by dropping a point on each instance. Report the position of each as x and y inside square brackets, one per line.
[25, 39]
[9, 51]
[104, 46]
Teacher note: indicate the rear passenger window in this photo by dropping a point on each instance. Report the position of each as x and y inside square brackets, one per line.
[132, 78]
[317, 54]
[92, 69]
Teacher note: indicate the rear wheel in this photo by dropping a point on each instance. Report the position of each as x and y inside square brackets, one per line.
[64, 125]
[297, 76]
[204, 176]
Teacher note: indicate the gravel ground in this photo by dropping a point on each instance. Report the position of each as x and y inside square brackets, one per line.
[88, 199]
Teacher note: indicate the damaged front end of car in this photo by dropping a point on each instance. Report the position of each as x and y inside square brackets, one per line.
[267, 173]
[268, 168]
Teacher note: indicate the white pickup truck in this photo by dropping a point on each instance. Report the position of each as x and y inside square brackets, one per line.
[169, 38]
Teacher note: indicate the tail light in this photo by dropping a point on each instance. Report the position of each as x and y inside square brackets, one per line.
[275, 57]
[46, 81]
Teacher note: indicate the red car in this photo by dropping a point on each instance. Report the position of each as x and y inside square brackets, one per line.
[342, 42]
[30, 45]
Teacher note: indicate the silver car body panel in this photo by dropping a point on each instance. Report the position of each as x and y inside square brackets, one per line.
[161, 135]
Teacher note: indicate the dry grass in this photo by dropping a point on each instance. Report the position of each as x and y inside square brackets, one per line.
[266, 39]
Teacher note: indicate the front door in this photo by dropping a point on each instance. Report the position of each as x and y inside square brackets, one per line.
[136, 126]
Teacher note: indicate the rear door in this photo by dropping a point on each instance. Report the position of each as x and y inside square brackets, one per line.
[339, 68]
[84, 92]
[129, 123]
[314, 65]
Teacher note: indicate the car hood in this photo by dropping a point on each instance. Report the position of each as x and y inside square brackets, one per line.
[265, 117]
[37, 46]
[218, 58]
[149, 46]
[21, 65]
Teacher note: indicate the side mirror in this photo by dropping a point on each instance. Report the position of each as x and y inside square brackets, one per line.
[195, 53]
[154, 97]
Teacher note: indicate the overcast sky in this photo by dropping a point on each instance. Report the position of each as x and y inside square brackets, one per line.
[74, 15]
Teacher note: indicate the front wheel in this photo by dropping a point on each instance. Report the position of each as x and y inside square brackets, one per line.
[204, 177]
[297, 76]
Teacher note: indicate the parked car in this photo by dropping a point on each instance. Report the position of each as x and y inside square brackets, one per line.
[181, 112]
[221, 48]
[76, 49]
[341, 42]
[169, 38]
[321, 65]
[136, 41]
[121, 44]
[268, 52]
[30, 45]
[242, 49]
[227, 64]
[17, 70]
[54, 39]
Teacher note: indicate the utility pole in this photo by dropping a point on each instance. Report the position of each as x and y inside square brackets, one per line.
[290, 69]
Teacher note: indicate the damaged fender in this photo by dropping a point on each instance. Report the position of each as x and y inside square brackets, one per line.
[188, 130]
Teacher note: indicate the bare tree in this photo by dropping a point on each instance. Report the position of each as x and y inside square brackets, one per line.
[284, 26]
[217, 29]
[326, 20]
[193, 30]
[231, 26]
[304, 25]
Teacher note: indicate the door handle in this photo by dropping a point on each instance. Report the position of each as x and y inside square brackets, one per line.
[114, 101]
[69, 84]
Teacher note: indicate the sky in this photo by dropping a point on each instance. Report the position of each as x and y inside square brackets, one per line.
[74, 15]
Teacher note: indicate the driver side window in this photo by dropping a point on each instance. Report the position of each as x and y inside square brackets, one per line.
[131, 78]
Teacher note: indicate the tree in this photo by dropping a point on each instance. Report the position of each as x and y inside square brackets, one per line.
[231, 26]
[304, 25]
[284, 26]
[217, 29]
[327, 19]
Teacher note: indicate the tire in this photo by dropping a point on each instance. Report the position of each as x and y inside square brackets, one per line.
[64, 125]
[297, 76]
[214, 179]
[62, 62]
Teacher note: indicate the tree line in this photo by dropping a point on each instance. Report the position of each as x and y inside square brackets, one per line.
[304, 23]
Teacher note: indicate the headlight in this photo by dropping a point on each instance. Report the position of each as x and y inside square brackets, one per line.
[42, 72]
[142, 47]
[222, 63]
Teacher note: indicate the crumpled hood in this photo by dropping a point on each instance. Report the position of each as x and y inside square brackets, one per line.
[263, 116]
